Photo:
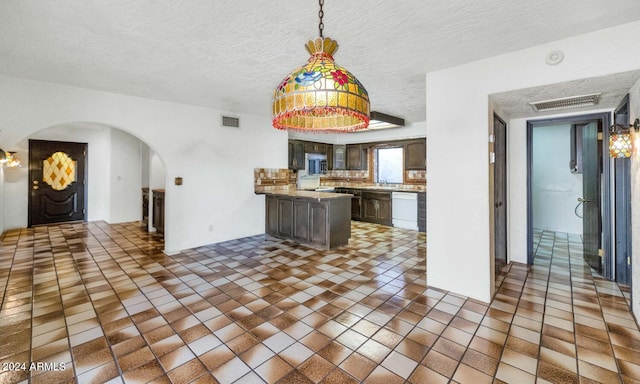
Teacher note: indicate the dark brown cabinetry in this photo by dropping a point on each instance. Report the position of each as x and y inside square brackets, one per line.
[356, 202]
[422, 211]
[145, 209]
[296, 154]
[356, 157]
[415, 154]
[330, 157]
[322, 223]
[311, 147]
[158, 210]
[376, 207]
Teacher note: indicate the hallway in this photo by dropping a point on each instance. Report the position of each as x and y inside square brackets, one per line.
[100, 303]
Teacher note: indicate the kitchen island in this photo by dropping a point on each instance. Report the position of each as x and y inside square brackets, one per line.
[318, 219]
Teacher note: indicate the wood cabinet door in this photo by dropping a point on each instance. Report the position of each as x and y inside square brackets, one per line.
[301, 220]
[369, 209]
[158, 210]
[356, 207]
[285, 217]
[298, 155]
[354, 157]
[339, 153]
[415, 155]
[290, 152]
[318, 222]
[272, 215]
[384, 211]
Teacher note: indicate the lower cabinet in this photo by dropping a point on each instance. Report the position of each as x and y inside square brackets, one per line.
[158, 210]
[320, 223]
[376, 207]
[356, 202]
[145, 209]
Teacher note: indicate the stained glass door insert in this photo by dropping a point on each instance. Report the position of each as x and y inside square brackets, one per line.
[59, 171]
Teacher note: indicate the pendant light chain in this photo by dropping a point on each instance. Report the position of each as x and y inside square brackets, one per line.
[321, 15]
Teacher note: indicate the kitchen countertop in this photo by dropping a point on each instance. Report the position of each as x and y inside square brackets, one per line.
[384, 189]
[304, 194]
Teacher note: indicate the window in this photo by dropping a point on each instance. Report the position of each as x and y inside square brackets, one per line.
[389, 165]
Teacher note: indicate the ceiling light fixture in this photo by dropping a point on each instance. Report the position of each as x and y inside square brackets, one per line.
[321, 96]
[620, 145]
[379, 120]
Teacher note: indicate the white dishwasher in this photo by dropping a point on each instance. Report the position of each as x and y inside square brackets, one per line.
[404, 210]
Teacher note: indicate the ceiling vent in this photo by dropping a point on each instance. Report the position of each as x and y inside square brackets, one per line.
[230, 122]
[566, 102]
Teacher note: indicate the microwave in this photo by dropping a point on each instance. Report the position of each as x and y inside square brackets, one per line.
[316, 167]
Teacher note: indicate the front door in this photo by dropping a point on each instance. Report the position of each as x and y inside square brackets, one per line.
[500, 195]
[57, 178]
[591, 221]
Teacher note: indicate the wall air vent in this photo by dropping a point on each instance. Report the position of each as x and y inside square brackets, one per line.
[231, 122]
[566, 102]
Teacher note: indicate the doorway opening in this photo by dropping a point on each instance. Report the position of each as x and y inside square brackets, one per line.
[571, 194]
[499, 214]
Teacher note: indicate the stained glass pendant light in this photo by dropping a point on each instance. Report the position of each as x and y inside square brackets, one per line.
[321, 96]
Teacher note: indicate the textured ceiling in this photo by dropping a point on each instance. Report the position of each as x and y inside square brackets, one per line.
[231, 54]
[612, 88]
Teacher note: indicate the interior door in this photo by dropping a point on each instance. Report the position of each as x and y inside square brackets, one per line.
[57, 174]
[500, 194]
[591, 221]
[623, 204]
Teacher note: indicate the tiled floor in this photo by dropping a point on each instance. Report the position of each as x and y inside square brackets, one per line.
[100, 303]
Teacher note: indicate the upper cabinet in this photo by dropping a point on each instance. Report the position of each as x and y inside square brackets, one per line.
[357, 158]
[415, 155]
[296, 154]
[311, 147]
[339, 156]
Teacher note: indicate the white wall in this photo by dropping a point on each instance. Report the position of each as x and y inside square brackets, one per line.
[458, 250]
[15, 192]
[216, 163]
[555, 190]
[125, 178]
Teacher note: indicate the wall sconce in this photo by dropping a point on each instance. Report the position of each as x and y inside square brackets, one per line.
[620, 145]
[9, 159]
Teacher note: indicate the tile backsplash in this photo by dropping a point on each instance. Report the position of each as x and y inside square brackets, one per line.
[276, 178]
[270, 177]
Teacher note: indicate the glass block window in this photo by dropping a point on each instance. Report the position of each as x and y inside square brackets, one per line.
[59, 171]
